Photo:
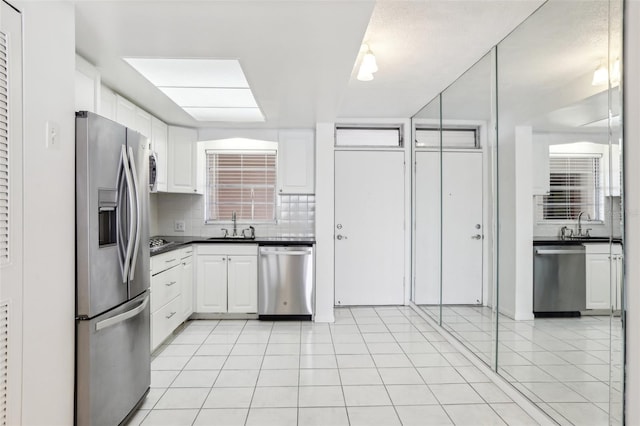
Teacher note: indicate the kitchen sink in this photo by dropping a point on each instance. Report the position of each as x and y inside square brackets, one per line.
[589, 239]
[239, 237]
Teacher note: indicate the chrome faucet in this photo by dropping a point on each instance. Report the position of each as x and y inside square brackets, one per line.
[235, 228]
[565, 232]
[580, 223]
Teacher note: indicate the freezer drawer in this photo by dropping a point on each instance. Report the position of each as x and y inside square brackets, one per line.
[286, 282]
[112, 363]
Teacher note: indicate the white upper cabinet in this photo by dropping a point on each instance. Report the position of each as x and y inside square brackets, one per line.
[540, 151]
[182, 159]
[108, 103]
[125, 112]
[159, 136]
[87, 86]
[296, 170]
[143, 123]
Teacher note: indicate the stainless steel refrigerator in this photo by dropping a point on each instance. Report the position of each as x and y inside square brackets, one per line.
[112, 270]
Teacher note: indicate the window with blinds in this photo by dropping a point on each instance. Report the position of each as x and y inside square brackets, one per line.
[4, 152]
[244, 183]
[575, 186]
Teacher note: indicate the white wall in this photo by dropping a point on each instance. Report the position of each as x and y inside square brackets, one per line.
[49, 214]
[632, 208]
[524, 225]
[260, 134]
[324, 222]
[507, 224]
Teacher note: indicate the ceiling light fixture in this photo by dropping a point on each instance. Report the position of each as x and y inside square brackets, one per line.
[368, 65]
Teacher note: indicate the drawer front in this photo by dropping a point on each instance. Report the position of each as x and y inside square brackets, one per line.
[186, 252]
[600, 248]
[164, 321]
[228, 249]
[164, 287]
[164, 261]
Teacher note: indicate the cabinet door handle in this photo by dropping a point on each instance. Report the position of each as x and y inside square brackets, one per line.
[170, 260]
[229, 259]
[171, 283]
[170, 315]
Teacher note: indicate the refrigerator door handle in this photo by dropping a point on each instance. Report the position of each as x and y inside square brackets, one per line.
[136, 189]
[123, 316]
[132, 222]
[120, 182]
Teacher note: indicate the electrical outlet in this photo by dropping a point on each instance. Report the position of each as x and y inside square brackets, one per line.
[178, 226]
[53, 135]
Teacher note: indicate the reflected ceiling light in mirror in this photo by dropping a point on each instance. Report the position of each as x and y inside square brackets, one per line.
[368, 65]
[601, 74]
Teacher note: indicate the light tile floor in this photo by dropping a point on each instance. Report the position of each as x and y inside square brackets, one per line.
[373, 366]
[561, 364]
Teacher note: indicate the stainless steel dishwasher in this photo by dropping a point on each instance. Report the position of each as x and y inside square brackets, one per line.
[286, 282]
[559, 280]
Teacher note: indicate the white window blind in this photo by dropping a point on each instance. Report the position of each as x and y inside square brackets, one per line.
[575, 186]
[451, 138]
[244, 183]
[4, 152]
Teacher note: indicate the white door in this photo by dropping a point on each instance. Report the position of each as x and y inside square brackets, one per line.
[369, 227]
[11, 214]
[462, 233]
[427, 228]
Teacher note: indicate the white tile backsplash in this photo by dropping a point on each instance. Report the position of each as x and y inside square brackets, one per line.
[295, 217]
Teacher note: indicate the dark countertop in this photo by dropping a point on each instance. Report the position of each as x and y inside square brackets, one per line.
[178, 242]
[552, 241]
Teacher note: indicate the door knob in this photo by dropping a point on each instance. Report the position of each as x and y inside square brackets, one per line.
[476, 237]
[340, 237]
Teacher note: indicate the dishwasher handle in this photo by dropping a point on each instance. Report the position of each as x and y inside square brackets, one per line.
[547, 251]
[281, 252]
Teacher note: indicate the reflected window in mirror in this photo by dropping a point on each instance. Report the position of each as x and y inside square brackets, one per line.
[459, 137]
[575, 187]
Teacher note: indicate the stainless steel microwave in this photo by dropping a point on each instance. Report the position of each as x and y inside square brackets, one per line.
[153, 171]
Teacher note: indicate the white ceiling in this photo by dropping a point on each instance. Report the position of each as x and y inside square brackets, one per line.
[299, 56]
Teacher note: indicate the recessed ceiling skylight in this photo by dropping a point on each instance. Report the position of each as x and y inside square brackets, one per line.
[207, 89]
[225, 114]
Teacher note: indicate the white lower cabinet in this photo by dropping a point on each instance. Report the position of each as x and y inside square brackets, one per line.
[242, 284]
[603, 276]
[227, 278]
[171, 292]
[186, 283]
[211, 283]
[164, 321]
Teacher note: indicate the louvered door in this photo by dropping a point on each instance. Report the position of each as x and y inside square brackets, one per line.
[11, 190]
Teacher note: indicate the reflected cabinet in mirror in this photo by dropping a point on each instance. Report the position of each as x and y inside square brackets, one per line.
[517, 210]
